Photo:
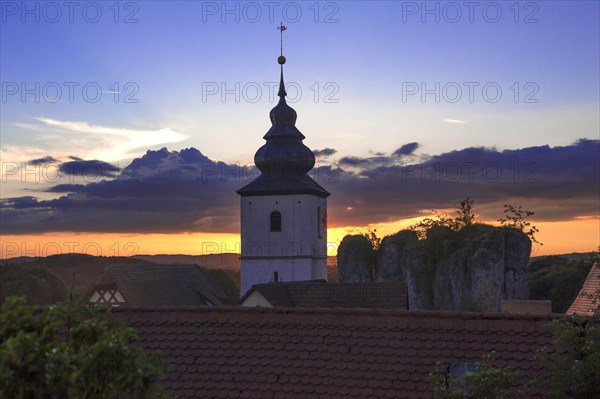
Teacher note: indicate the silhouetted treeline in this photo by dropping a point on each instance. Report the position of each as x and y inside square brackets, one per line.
[558, 279]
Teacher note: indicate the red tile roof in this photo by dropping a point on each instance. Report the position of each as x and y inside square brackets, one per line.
[298, 353]
[584, 303]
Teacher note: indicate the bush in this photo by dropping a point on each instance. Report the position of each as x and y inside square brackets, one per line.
[71, 351]
[487, 382]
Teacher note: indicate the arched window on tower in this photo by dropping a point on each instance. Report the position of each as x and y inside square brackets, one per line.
[275, 221]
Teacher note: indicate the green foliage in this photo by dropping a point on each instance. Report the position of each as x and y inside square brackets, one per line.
[557, 279]
[488, 382]
[516, 218]
[375, 241]
[38, 284]
[71, 351]
[575, 359]
[465, 217]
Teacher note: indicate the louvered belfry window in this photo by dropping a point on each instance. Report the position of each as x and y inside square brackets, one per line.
[275, 221]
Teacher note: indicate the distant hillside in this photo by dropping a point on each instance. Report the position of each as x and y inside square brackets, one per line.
[48, 280]
[38, 284]
[213, 261]
[75, 270]
[19, 259]
[572, 256]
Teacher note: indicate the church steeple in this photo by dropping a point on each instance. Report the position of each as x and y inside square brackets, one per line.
[283, 160]
[283, 218]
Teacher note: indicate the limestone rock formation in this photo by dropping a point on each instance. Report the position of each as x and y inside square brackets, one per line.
[355, 260]
[470, 270]
[394, 251]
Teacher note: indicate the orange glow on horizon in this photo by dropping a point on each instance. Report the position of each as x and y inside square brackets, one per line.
[579, 235]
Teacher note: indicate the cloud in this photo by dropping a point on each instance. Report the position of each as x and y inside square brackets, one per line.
[42, 161]
[88, 169]
[91, 141]
[454, 121]
[354, 161]
[558, 183]
[184, 191]
[325, 152]
[406, 149]
[163, 191]
[66, 188]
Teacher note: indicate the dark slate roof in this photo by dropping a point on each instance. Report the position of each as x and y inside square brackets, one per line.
[266, 185]
[391, 295]
[163, 285]
[584, 303]
[237, 352]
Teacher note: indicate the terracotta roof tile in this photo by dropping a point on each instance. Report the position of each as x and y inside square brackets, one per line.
[583, 303]
[279, 352]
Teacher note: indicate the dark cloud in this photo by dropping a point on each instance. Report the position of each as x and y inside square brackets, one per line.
[366, 163]
[353, 161]
[66, 188]
[42, 161]
[88, 169]
[558, 183]
[162, 191]
[406, 149]
[325, 152]
[178, 191]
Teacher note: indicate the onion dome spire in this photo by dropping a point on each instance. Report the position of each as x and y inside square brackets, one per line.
[283, 114]
[283, 160]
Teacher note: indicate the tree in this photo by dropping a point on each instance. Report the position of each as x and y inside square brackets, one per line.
[465, 217]
[574, 362]
[375, 241]
[558, 279]
[516, 218]
[575, 358]
[487, 382]
[71, 351]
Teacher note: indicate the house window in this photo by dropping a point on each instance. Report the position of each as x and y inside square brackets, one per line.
[275, 221]
[276, 277]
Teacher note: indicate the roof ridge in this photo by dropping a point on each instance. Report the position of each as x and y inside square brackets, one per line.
[348, 311]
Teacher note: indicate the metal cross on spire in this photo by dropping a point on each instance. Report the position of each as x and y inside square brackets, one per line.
[281, 28]
[281, 61]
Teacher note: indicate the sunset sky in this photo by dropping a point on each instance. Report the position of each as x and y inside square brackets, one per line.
[127, 127]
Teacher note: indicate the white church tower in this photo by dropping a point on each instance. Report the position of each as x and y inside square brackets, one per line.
[283, 211]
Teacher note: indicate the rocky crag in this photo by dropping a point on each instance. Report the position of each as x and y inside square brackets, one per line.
[473, 269]
[355, 260]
